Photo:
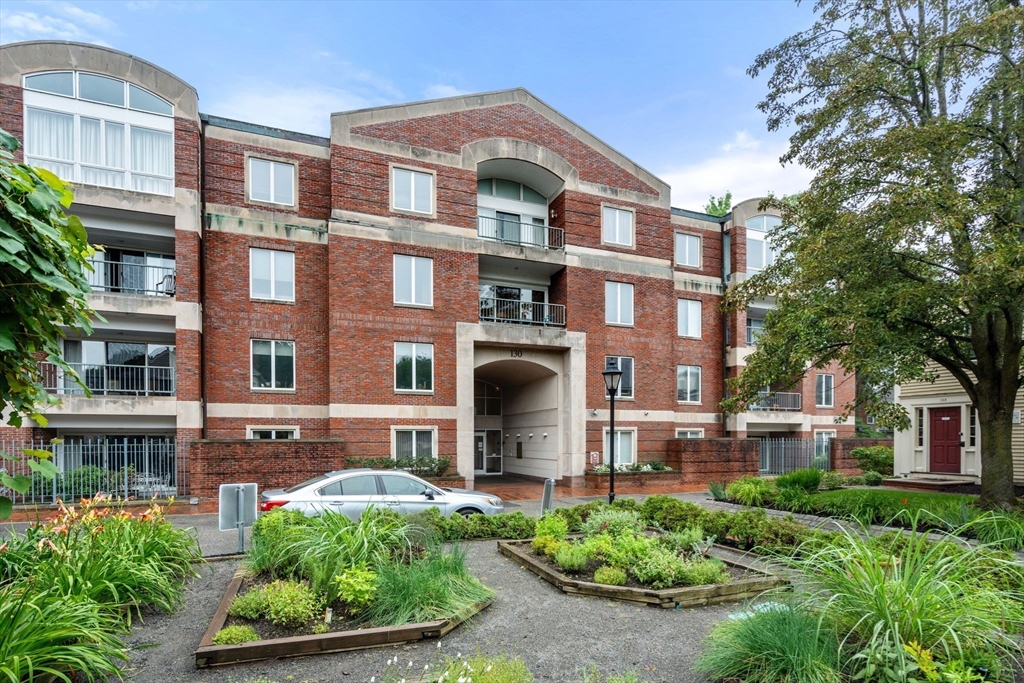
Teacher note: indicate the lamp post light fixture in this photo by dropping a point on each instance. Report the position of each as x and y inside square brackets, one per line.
[612, 376]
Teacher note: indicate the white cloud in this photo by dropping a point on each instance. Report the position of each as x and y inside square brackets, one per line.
[57, 21]
[746, 167]
[742, 140]
[440, 90]
[305, 109]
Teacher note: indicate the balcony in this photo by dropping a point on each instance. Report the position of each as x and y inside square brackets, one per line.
[110, 380]
[517, 312]
[779, 401]
[140, 279]
[523, 234]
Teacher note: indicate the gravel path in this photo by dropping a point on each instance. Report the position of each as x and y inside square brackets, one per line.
[555, 634]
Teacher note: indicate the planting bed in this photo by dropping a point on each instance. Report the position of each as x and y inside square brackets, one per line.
[745, 581]
[345, 635]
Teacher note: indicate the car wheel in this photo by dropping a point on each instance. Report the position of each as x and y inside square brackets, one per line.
[466, 512]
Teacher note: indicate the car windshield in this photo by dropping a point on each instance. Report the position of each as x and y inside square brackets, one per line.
[314, 480]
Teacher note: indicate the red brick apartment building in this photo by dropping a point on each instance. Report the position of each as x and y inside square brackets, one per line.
[443, 277]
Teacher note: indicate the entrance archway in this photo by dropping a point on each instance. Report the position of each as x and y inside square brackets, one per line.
[517, 414]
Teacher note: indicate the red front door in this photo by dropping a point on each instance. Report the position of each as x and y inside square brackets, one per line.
[945, 440]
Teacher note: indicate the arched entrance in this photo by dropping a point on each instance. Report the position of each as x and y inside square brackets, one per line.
[517, 413]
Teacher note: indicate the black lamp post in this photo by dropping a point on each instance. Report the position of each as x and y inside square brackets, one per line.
[612, 375]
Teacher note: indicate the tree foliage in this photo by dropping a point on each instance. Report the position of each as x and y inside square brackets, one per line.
[719, 206]
[905, 256]
[43, 287]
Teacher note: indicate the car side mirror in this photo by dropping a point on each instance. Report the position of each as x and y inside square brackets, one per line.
[428, 494]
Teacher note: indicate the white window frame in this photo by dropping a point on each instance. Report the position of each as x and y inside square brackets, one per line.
[632, 301]
[700, 386]
[273, 274]
[683, 313]
[412, 190]
[413, 428]
[417, 262]
[273, 365]
[249, 158]
[690, 260]
[618, 229]
[681, 430]
[632, 378]
[604, 445]
[105, 113]
[433, 368]
[819, 378]
[250, 429]
[830, 432]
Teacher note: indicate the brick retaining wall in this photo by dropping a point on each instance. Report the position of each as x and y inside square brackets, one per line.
[270, 463]
[702, 461]
[841, 460]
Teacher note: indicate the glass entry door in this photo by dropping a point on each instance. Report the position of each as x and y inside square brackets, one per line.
[487, 451]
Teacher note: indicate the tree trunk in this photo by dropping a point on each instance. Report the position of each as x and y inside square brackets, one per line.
[996, 455]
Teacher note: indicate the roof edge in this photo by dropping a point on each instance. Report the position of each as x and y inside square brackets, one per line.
[259, 129]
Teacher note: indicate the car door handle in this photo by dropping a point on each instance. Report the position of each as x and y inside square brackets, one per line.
[334, 502]
[392, 503]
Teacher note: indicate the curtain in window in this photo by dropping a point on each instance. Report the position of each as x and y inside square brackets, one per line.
[424, 444]
[114, 144]
[403, 444]
[152, 153]
[90, 141]
[49, 134]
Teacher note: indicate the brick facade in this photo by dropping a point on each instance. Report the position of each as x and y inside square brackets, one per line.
[344, 233]
[841, 459]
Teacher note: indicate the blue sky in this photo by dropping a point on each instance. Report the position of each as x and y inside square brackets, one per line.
[663, 83]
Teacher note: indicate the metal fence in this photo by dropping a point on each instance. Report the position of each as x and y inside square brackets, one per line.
[514, 232]
[779, 456]
[105, 379]
[131, 278]
[780, 400]
[519, 312]
[134, 466]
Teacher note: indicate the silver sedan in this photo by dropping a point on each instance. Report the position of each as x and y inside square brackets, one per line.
[352, 491]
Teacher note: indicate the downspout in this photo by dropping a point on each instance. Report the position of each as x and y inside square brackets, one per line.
[202, 269]
[726, 259]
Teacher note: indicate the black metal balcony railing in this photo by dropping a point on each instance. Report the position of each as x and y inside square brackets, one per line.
[781, 400]
[131, 278]
[514, 232]
[110, 380]
[521, 312]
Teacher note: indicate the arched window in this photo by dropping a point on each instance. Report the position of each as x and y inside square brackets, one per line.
[760, 253]
[509, 211]
[97, 130]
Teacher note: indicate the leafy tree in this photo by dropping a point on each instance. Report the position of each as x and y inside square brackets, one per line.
[906, 253]
[43, 287]
[719, 206]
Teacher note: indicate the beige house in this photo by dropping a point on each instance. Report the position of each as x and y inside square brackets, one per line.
[944, 435]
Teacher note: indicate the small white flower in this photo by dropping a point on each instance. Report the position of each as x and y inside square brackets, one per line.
[458, 656]
[488, 668]
[410, 664]
[426, 666]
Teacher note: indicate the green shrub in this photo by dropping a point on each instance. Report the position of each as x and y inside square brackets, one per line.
[628, 549]
[552, 525]
[772, 645]
[702, 572]
[623, 504]
[657, 466]
[717, 489]
[546, 545]
[874, 459]
[746, 527]
[598, 547]
[751, 491]
[290, 603]
[250, 605]
[515, 525]
[831, 480]
[658, 568]
[331, 543]
[806, 479]
[913, 590]
[272, 549]
[653, 505]
[793, 499]
[678, 515]
[44, 636]
[435, 586]
[426, 466]
[357, 587]
[485, 669]
[234, 635]
[610, 576]
[572, 516]
[613, 522]
[871, 478]
[571, 557]
[683, 542]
